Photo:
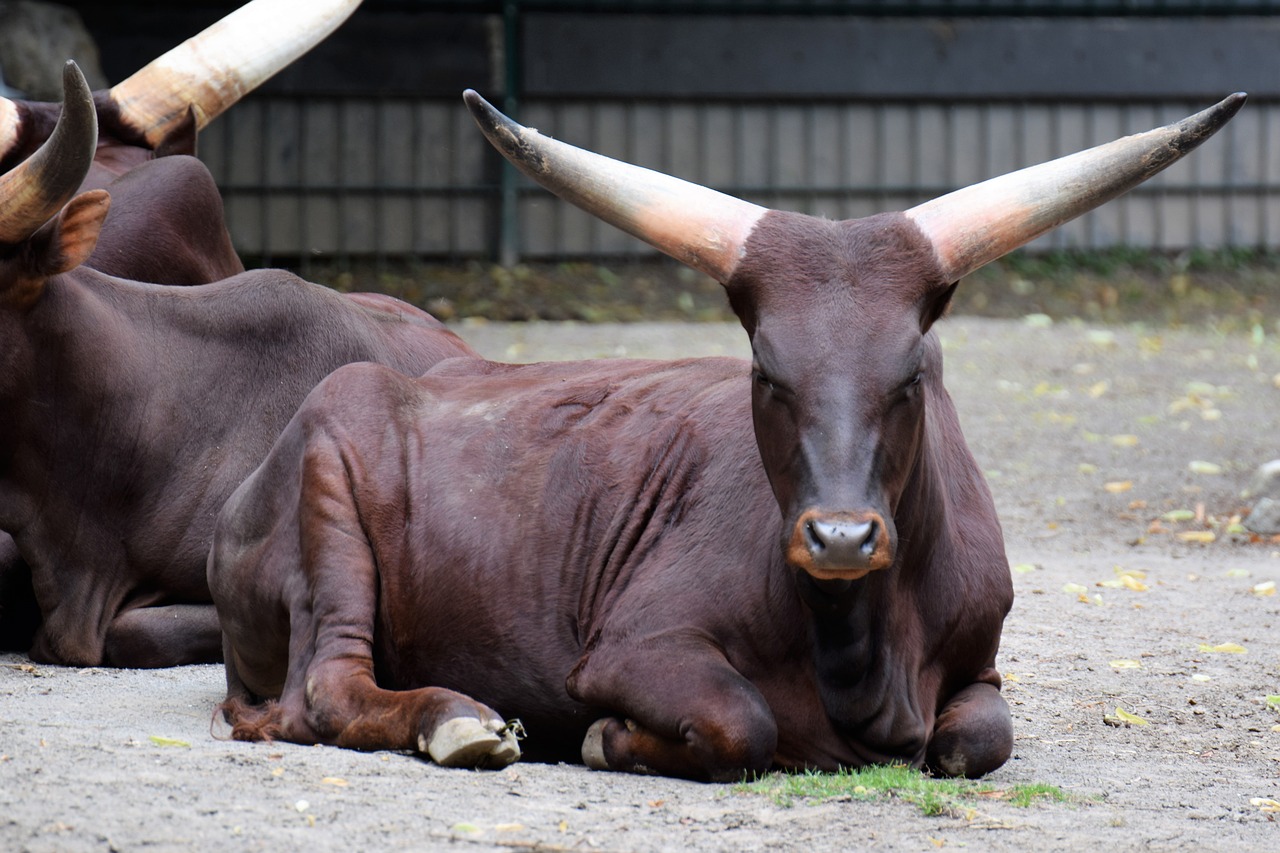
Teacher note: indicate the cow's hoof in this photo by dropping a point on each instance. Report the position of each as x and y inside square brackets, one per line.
[593, 746]
[467, 742]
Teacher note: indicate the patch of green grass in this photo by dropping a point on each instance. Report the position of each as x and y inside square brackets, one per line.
[933, 796]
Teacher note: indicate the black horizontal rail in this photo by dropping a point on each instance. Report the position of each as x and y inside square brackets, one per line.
[815, 191]
[864, 8]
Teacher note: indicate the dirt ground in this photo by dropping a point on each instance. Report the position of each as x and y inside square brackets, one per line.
[1113, 453]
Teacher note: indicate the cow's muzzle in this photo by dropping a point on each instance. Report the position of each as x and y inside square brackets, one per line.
[840, 545]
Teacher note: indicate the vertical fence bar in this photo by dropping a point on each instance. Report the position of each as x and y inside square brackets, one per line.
[264, 180]
[304, 247]
[509, 227]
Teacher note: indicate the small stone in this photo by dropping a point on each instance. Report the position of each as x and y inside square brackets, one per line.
[1264, 491]
[1265, 517]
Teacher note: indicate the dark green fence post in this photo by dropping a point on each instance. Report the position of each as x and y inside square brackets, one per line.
[509, 202]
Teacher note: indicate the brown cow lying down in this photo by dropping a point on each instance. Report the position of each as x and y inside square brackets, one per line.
[167, 223]
[693, 568]
[132, 410]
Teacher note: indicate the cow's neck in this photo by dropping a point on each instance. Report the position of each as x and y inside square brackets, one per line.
[870, 638]
[67, 376]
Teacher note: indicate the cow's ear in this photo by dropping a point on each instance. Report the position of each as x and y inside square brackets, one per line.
[72, 235]
[181, 138]
[62, 244]
[935, 305]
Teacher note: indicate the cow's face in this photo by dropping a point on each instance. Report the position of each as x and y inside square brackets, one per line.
[837, 313]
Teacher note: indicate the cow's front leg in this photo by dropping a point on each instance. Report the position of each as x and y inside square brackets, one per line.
[297, 590]
[344, 706]
[974, 733]
[170, 635]
[681, 712]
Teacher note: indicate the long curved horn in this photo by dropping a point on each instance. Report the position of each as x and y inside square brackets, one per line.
[211, 71]
[977, 224]
[700, 227]
[36, 189]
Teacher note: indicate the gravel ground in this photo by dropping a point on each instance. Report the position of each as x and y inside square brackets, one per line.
[1114, 453]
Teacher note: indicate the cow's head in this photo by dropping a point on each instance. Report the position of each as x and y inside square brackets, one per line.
[838, 312]
[160, 109]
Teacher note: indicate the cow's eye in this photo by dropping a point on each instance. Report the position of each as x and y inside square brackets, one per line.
[912, 386]
[762, 379]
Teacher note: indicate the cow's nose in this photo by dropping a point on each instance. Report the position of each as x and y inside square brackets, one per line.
[842, 542]
[840, 545]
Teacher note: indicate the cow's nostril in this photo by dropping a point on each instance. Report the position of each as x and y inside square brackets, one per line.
[868, 546]
[816, 543]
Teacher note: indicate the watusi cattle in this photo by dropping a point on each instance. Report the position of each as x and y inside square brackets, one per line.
[692, 568]
[132, 409]
[167, 223]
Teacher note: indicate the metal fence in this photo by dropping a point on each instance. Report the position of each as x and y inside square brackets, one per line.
[334, 179]
[340, 177]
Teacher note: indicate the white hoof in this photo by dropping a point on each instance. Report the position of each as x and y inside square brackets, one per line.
[593, 746]
[467, 742]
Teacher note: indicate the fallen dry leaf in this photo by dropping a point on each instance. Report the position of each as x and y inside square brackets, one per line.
[1199, 466]
[168, 741]
[334, 780]
[1124, 718]
[1264, 588]
[1131, 582]
[1203, 537]
[1267, 806]
[1225, 648]
[1125, 664]
[1117, 486]
[1126, 440]
[1178, 515]
[1130, 718]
